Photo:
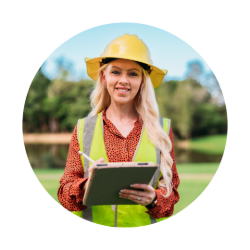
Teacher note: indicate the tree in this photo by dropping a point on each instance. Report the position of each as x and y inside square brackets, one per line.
[34, 116]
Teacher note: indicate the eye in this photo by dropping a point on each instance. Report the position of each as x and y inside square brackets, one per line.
[115, 72]
[133, 74]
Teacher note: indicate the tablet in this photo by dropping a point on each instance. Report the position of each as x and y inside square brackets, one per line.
[107, 179]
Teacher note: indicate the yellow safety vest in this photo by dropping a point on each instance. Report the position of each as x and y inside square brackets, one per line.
[91, 142]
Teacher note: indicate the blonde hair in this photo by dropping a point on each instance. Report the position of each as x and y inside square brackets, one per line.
[147, 107]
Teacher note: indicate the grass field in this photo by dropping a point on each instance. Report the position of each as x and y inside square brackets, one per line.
[214, 144]
[194, 178]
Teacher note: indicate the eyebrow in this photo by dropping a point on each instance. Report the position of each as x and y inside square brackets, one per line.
[127, 70]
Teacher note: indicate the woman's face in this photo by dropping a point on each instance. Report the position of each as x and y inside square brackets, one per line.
[123, 79]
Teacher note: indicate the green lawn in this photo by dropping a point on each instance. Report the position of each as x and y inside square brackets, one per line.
[202, 168]
[49, 178]
[190, 188]
[51, 187]
[214, 144]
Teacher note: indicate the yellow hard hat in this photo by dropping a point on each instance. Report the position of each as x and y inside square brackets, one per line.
[126, 47]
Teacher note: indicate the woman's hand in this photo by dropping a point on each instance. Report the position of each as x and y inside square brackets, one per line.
[101, 160]
[144, 198]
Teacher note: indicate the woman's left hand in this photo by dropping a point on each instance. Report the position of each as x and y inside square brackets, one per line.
[144, 198]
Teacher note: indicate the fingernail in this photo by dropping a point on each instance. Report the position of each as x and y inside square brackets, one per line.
[131, 185]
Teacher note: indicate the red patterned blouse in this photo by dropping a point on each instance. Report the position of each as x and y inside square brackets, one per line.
[119, 149]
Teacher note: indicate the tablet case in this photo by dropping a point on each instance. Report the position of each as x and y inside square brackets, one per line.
[107, 181]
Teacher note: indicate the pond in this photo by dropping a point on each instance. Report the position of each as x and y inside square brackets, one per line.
[44, 156]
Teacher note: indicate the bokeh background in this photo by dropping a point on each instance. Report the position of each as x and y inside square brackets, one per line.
[190, 96]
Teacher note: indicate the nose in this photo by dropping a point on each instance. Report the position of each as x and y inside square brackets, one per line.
[123, 79]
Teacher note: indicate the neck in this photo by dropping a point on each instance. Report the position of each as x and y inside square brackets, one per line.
[122, 113]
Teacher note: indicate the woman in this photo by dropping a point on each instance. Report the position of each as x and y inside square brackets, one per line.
[123, 126]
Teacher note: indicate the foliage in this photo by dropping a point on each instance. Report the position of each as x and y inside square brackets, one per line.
[194, 105]
[66, 103]
[191, 108]
[55, 106]
[34, 115]
[194, 109]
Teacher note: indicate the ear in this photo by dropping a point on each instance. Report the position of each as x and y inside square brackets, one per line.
[103, 77]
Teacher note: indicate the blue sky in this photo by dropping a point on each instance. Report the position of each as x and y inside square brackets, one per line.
[167, 51]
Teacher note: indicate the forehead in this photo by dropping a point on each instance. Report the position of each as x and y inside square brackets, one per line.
[125, 64]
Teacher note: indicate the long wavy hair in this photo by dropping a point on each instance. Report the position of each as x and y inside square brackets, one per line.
[147, 107]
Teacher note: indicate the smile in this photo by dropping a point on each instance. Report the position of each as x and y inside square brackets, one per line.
[122, 90]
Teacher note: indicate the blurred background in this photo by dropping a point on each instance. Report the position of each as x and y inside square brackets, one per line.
[190, 96]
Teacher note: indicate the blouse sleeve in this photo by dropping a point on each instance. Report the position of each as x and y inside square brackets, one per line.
[70, 193]
[165, 206]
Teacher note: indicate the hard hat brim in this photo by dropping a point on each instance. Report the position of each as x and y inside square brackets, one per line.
[93, 65]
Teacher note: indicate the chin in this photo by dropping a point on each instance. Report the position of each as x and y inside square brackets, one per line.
[122, 100]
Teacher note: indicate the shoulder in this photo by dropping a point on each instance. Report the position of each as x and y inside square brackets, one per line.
[88, 121]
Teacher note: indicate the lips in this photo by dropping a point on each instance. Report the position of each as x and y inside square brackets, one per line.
[123, 90]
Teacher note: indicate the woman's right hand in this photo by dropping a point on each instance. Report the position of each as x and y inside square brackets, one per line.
[101, 160]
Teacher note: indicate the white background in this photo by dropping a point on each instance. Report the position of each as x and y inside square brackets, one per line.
[32, 30]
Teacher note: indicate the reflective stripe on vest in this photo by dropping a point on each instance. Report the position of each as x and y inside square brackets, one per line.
[91, 142]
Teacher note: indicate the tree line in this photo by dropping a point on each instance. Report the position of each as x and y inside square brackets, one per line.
[195, 106]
